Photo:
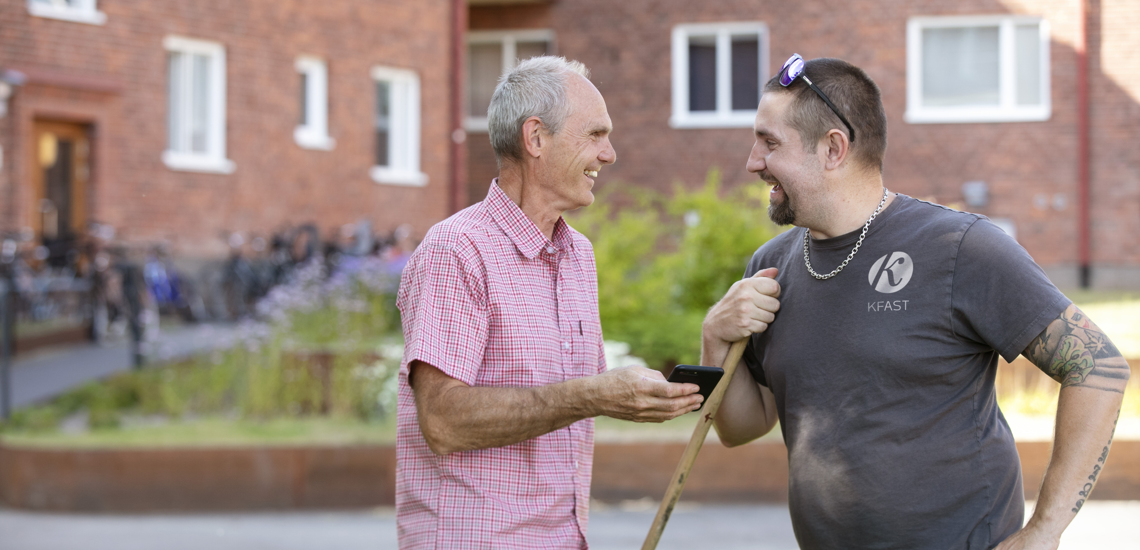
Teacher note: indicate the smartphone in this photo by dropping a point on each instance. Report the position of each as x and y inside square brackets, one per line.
[705, 377]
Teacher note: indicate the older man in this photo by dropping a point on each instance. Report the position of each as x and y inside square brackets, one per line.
[503, 367]
[876, 326]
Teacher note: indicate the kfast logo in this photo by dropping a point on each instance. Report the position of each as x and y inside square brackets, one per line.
[891, 273]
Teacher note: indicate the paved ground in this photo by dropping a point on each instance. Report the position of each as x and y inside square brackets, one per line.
[1100, 525]
[45, 373]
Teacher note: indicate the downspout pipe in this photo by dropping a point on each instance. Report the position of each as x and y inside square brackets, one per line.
[458, 195]
[1083, 136]
[10, 81]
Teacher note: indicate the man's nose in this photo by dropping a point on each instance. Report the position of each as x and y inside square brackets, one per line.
[608, 155]
[755, 161]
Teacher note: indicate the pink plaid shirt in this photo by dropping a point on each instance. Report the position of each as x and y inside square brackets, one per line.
[487, 299]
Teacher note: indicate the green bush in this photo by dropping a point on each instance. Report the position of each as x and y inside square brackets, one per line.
[44, 418]
[663, 261]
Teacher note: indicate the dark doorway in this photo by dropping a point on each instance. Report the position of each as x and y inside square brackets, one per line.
[61, 174]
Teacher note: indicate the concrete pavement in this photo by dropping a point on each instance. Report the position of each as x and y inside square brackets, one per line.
[1100, 525]
[45, 373]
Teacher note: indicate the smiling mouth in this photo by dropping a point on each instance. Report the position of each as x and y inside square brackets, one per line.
[776, 191]
[591, 173]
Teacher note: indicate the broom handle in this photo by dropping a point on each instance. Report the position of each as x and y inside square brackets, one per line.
[703, 424]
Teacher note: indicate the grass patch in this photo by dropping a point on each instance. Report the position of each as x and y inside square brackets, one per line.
[215, 431]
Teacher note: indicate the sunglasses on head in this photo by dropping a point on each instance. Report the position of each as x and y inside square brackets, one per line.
[793, 69]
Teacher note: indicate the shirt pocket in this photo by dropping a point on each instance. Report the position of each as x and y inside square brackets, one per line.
[587, 342]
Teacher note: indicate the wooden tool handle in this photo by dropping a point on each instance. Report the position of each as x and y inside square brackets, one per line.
[703, 424]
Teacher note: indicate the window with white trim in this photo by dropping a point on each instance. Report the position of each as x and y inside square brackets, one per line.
[490, 54]
[196, 119]
[989, 68]
[312, 130]
[719, 70]
[79, 11]
[397, 127]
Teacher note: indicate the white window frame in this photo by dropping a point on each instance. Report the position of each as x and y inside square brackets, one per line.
[404, 140]
[509, 40]
[724, 116]
[214, 160]
[1007, 110]
[84, 11]
[314, 134]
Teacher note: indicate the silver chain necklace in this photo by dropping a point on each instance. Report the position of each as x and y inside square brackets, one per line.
[863, 235]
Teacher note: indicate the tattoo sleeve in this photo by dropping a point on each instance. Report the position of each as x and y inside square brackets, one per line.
[1075, 352]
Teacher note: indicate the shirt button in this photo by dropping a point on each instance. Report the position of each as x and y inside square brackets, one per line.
[575, 464]
[566, 345]
[550, 250]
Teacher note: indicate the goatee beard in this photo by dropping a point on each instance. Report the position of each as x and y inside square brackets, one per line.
[782, 214]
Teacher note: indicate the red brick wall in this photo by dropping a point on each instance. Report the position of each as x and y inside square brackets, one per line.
[534, 16]
[7, 149]
[627, 47]
[1114, 67]
[275, 180]
[481, 167]
[283, 478]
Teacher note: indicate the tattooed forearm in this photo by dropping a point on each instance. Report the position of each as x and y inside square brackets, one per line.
[1075, 352]
[1087, 489]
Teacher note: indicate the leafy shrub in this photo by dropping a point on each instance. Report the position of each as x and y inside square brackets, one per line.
[663, 261]
[38, 419]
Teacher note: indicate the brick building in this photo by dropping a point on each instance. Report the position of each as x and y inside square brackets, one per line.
[976, 91]
[185, 120]
[181, 121]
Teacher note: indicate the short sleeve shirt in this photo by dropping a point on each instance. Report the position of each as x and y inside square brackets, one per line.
[490, 301]
[884, 378]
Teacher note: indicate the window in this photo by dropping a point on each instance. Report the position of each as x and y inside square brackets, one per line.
[312, 130]
[718, 72]
[79, 11]
[197, 106]
[490, 54]
[977, 69]
[397, 127]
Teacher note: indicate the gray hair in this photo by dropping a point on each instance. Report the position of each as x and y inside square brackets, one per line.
[535, 87]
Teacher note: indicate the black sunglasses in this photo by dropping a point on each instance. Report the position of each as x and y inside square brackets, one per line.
[793, 69]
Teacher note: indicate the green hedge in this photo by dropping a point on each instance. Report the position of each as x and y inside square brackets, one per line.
[663, 261]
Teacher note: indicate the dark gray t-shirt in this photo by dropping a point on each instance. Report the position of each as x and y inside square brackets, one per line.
[884, 378]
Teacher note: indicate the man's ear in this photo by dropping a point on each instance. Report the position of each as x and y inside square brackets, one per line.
[534, 136]
[835, 147]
